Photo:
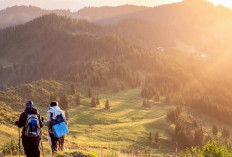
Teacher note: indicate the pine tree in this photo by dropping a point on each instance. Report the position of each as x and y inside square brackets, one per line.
[214, 130]
[97, 101]
[144, 103]
[156, 97]
[156, 140]
[89, 92]
[73, 89]
[93, 102]
[198, 137]
[78, 99]
[148, 104]
[107, 105]
[225, 133]
[150, 138]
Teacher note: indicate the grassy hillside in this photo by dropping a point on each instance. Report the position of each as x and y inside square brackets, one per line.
[124, 128]
[12, 103]
[39, 91]
[7, 118]
[179, 60]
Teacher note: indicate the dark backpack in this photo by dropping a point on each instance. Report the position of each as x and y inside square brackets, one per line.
[57, 120]
[32, 126]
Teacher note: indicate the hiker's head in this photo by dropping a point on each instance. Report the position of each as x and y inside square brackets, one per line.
[54, 103]
[29, 104]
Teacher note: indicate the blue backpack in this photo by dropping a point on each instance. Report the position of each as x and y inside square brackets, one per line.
[32, 126]
[59, 127]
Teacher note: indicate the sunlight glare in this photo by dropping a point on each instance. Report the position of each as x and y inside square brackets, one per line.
[226, 3]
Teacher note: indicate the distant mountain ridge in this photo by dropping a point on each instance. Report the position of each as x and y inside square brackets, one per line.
[94, 14]
[16, 15]
[165, 14]
[197, 25]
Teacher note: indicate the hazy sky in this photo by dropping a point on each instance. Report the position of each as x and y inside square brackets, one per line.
[77, 4]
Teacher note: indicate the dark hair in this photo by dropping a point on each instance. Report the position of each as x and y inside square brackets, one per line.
[54, 103]
[29, 104]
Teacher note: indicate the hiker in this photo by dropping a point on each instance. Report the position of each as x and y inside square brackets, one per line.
[31, 123]
[52, 115]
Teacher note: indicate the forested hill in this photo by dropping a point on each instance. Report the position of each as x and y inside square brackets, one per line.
[16, 15]
[183, 69]
[55, 46]
[146, 61]
[198, 23]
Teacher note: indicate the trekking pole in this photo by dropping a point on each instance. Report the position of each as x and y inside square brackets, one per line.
[19, 141]
[42, 143]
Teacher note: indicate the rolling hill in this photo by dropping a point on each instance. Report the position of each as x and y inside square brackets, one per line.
[167, 56]
[95, 14]
[45, 43]
[17, 15]
[198, 24]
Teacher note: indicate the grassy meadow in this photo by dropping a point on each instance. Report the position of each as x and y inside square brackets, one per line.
[124, 128]
[121, 131]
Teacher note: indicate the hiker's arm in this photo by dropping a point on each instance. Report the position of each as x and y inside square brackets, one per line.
[48, 122]
[65, 119]
[22, 120]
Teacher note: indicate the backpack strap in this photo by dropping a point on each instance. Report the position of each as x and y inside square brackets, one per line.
[52, 120]
[51, 123]
[51, 116]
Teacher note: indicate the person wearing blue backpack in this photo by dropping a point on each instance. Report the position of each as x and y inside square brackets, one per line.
[31, 123]
[56, 117]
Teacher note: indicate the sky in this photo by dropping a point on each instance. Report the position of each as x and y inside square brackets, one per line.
[75, 5]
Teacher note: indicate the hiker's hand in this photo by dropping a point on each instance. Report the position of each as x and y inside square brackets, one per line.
[16, 123]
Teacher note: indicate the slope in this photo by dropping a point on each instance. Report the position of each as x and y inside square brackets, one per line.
[125, 128]
[55, 46]
[16, 15]
[12, 104]
[197, 23]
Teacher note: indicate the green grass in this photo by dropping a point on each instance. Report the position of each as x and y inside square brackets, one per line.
[7, 134]
[124, 128]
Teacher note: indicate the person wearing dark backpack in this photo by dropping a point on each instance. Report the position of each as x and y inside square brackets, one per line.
[31, 123]
[54, 116]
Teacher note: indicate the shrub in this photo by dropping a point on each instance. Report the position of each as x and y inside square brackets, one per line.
[12, 148]
[76, 154]
[173, 114]
[211, 149]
